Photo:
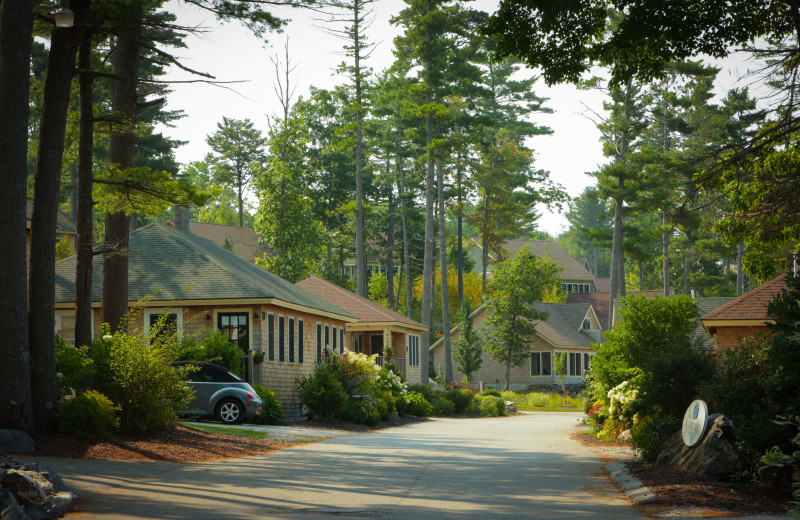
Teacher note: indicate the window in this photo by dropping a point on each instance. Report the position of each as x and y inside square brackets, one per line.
[327, 338]
[281, 339]
[169, 322]
[358, 344]
[300, 343]
[575, 364]
[237, 327]
[413, 350]
[577, 287]
[65, 326]
[541, 364]
[271, 337]
[291, 340]
[341, 340]
[335, 338]
[587, 324]
[319, 341]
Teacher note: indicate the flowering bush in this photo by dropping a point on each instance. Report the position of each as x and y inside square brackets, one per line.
[390, 383]
[414, 403]
[357, 373]
[622, 397]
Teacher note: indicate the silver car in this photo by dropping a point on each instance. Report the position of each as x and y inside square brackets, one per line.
[219, 393]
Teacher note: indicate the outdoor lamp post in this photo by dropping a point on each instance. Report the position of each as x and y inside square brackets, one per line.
[64, 16]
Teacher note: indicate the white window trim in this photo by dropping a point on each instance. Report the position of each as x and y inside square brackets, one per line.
[59, 320]
[162, 310]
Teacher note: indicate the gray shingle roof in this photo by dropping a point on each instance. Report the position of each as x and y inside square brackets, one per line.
[181, 266]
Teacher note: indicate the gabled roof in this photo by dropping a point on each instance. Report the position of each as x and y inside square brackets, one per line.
[64, 224]
[563, 328]
[750, 306]
[243, 239]
[365, 310]
[548, 249]
[183, 267]
[600, 302]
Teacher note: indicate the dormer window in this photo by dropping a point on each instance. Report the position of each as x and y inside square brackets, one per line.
[587, 324]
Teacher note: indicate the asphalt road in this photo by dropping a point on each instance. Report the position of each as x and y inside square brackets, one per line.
[517, 467]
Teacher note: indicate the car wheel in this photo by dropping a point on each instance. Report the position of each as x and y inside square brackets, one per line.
[230, 411]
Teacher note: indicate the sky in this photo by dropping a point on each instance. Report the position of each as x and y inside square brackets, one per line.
[232, 54]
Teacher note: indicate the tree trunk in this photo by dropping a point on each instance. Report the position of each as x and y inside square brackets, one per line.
[120, 152]
[665, 252]
[616, 253]
[47, 186]
[740, 269]
[16, 28]
[406, 248]
[448, 360]
[427, 268]
[390, 248]
[361, 257]
[83, 221]
[460, 235]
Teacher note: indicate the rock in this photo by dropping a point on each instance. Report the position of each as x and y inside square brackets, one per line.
[50, 474]
[45, 512]
[14, 513]
[625, 436]
[15, 441]
[511, 408]
[7, 499]
[30, 487]
[63, 500]
[712, 459]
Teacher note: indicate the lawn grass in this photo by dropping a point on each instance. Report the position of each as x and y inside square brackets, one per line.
[225, 430]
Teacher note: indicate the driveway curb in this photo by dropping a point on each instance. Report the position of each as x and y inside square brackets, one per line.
[637, 492]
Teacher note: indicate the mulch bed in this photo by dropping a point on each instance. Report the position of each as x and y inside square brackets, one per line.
[179, 445]
[678, 489]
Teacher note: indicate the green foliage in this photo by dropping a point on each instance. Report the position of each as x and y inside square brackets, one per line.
[273, 411]
[416, 404]
[426, 390]
[538, 400]
[357, 373]
[360, 412]
[143, 381]
[378, 289]
[467, 349]
[516, 284]
[654, 335]
[650, 434]
[390, 383]
[322, 393]
[775, 459]
[73, 366]
[442, 406]
[460, 397]
[90, 414]
[491, 391]
[212, 346]
[491, 406]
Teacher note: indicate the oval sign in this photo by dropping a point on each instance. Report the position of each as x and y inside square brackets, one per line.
[695, 421]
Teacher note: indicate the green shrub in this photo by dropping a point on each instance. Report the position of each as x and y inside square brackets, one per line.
[537, 400]
[385, 408]
[321, 393]
[491, 391]
[443, 407]
[490, 405]
[357, 373]
[273, 411]
[416, 404]
[473, 408]
[90, 414]
[390, 383]
[611, 429]
[426, 391]
[650, 434]
[360, 412]
[508, 395]
[212, 346]
[460, 397]
[144, 383]
[73, 364]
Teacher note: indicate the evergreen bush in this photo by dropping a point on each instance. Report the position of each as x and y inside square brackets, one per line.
[322, 393]
[90, 414]
[273, 411]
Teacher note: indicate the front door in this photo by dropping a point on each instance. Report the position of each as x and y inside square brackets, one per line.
[236, 326]
[376, 344]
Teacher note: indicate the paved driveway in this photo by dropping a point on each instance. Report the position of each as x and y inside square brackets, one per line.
[516, 467]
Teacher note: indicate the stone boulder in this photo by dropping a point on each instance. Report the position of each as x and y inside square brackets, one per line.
[713, 458]
[30, 487]
[32, 491]
[511, 407]
[15, 441]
